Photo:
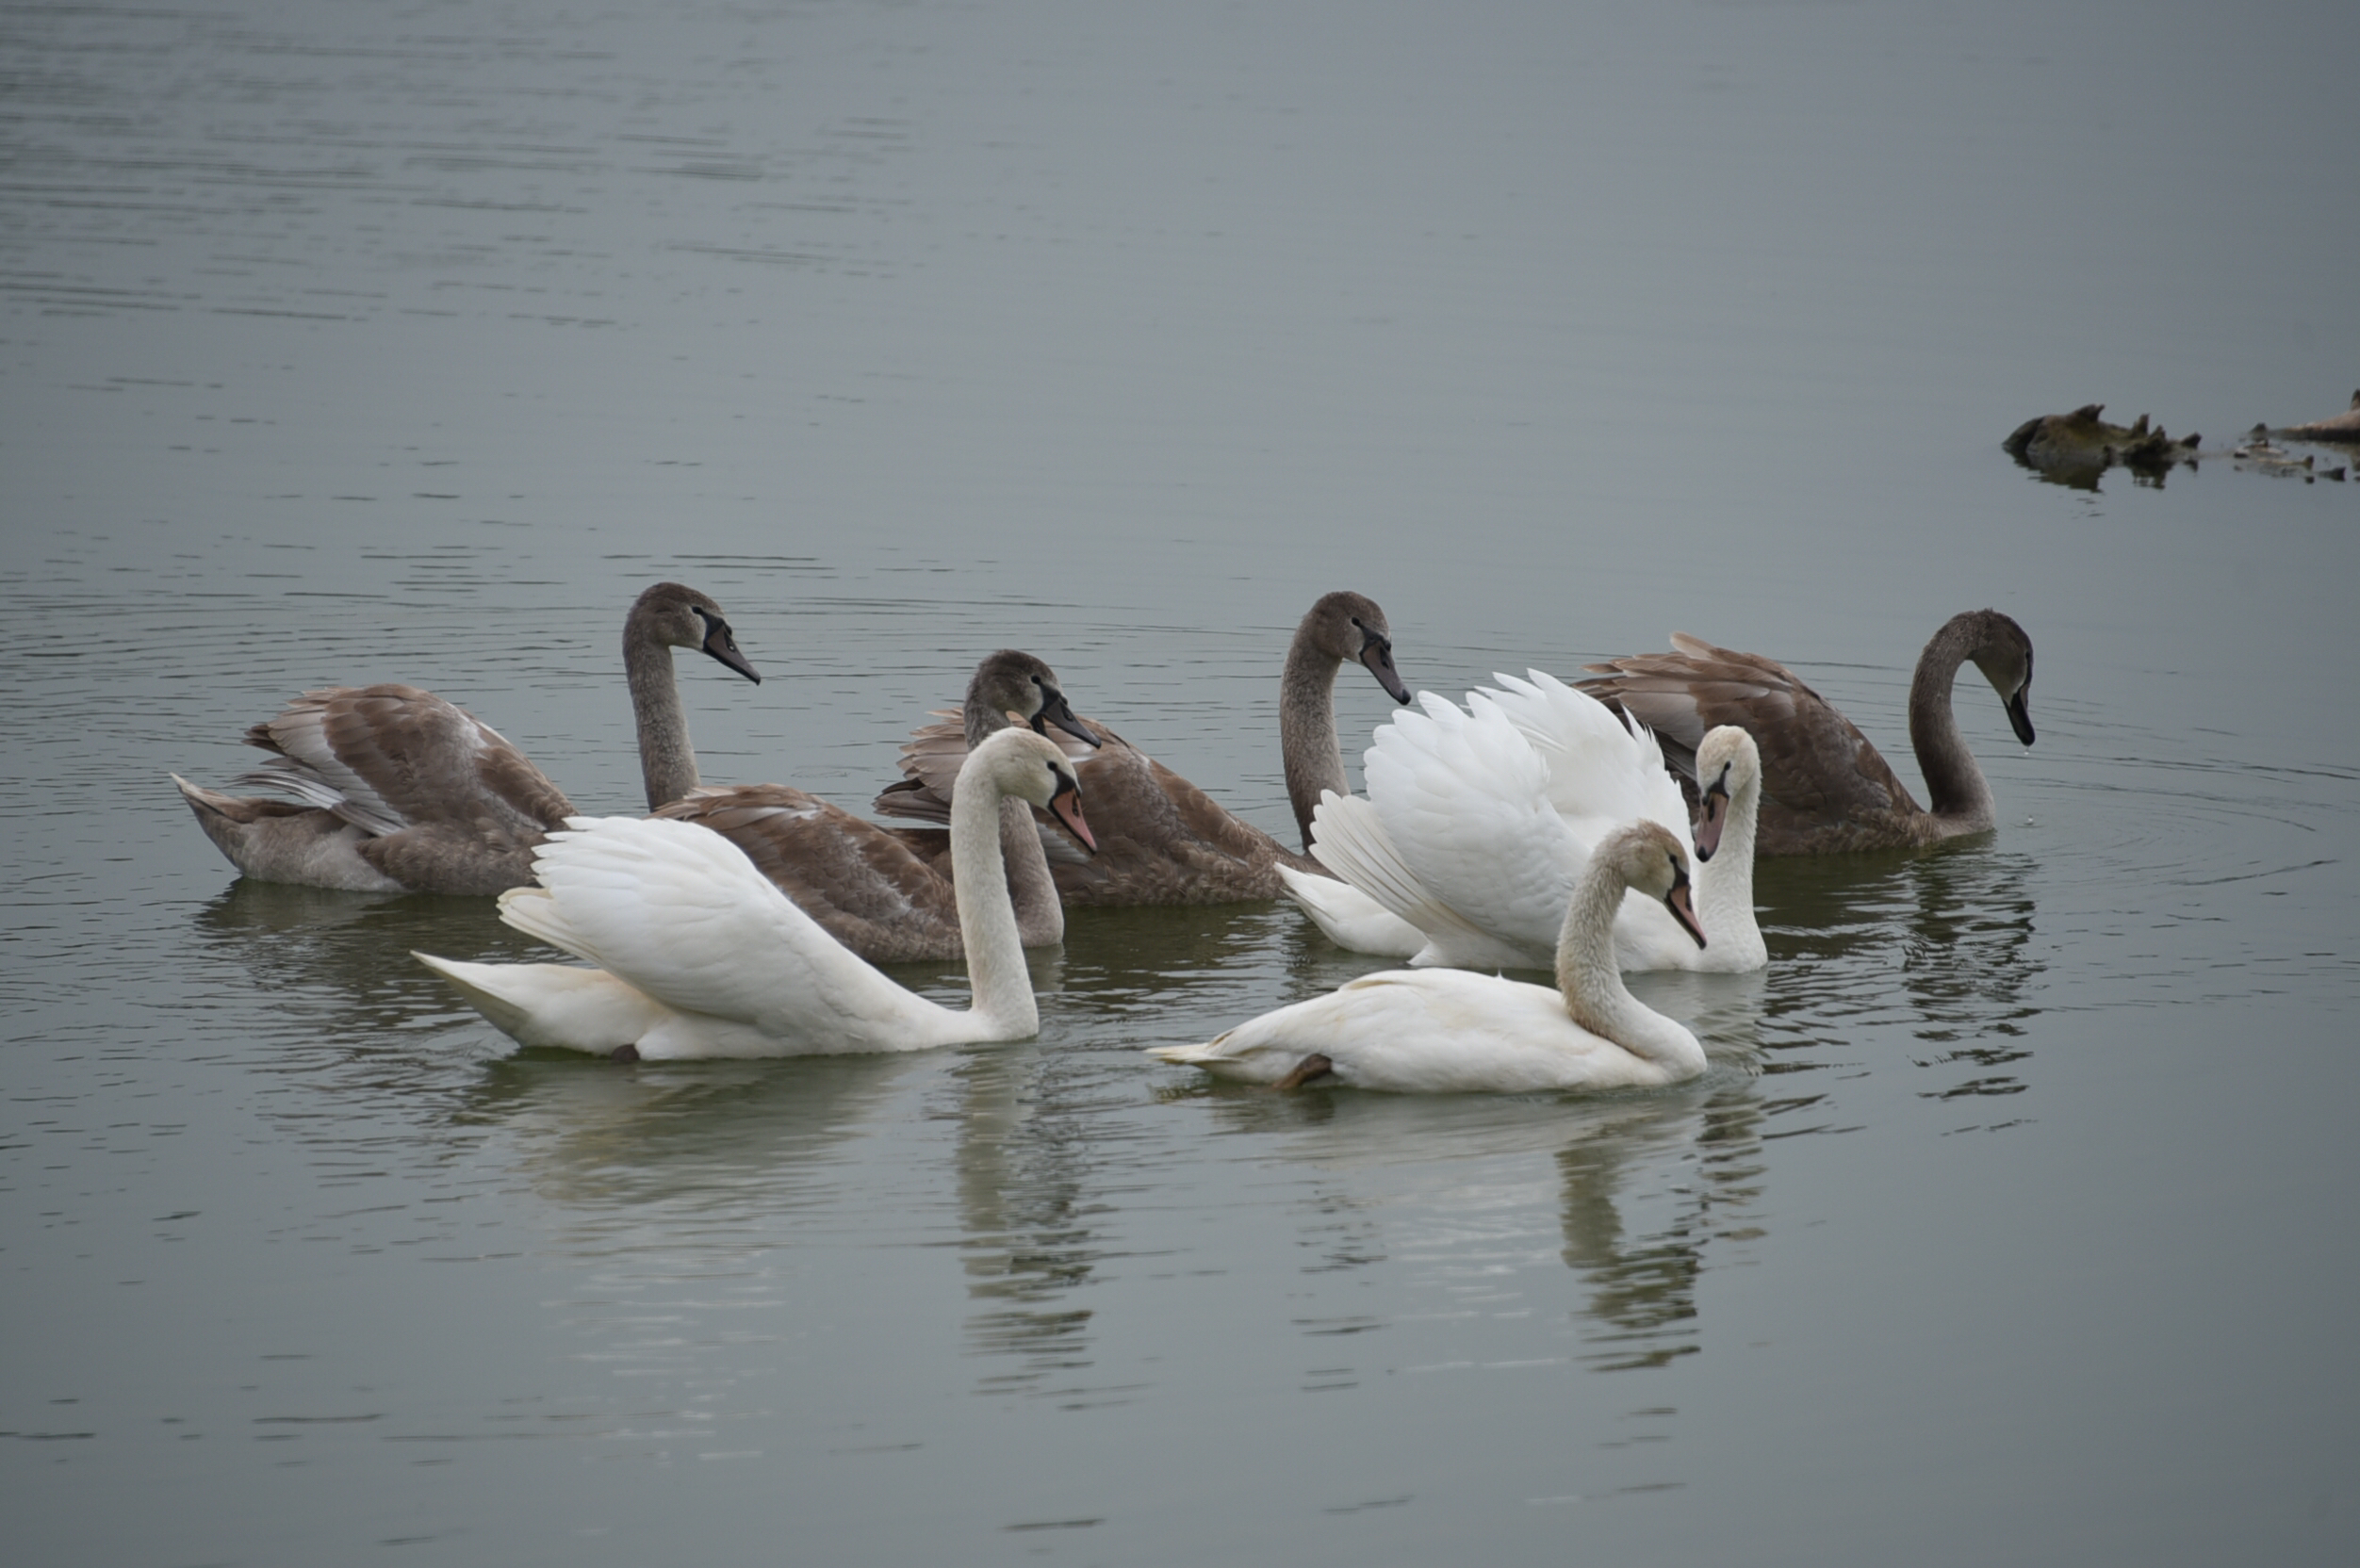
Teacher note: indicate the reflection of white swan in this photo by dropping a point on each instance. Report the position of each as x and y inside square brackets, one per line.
[1477, 825]
[700, 955]
[405, 793]
[1440, 1031]
[1828, 789]
[1161, 838]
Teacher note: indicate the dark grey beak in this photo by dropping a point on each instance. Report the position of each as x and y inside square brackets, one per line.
[1376, 651]
[723, 646]
[1055, 710]
[2020, 714]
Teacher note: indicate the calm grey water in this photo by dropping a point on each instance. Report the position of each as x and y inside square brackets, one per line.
[371, 342]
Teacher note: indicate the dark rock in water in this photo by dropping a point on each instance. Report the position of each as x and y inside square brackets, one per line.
[2076, 447]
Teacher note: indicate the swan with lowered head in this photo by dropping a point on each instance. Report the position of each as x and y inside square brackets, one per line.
[871, 887]
[402, 792]
[1825, 788]
[1162, 839]
[700, 955]
[1477, 825]
[1439, 1031]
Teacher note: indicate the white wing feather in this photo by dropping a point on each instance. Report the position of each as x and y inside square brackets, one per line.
[1463, 798]
[680, 913]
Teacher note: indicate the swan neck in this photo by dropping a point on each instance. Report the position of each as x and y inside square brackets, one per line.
[1586, 971]
[1307, 727]
[996, 974]
[1032, 890]
[1956, 790]
[667, 764]
[1724, 884]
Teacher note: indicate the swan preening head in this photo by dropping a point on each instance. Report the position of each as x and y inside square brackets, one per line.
[1649, 858]
[1350, 629]
[2002, 651]
[1728, 764]
[672, 614]
[1022, 686]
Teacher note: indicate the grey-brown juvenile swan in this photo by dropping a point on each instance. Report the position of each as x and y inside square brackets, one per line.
[1825, 789]
[1160, 838]
[878, 894]
[402, 792]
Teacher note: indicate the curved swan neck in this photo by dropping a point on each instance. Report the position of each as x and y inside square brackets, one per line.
[1593, 985]
[1001, 983]
[1032, 890]
[667, 764]
[1724, 884]
[1956, 790]
[1586, 972]
[1307, 727]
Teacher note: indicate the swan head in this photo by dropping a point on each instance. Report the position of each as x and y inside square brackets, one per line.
[671, 614]
[1017, 684]
[2004, 654]
[1728, 764]
[1649, 860]
[1350, 628]
[1032, 768]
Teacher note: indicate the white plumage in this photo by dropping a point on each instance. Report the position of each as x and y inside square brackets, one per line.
[1445, 1030]
[1477, 822]
[700, 954]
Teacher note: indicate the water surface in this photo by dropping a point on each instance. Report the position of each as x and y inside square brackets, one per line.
[355, 344]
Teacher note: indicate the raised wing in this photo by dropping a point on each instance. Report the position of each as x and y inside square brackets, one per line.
[1463, 797]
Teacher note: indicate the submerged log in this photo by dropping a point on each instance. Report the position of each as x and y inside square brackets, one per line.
[2338, 426]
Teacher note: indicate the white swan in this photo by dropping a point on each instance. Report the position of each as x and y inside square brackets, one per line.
[700, 955]
[1477, 825]
[1446, 1031]
[402, 792]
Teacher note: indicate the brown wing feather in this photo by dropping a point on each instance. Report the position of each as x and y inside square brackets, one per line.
[454, 807]
[858, 881]
[408, 753]
[1160, 838]
[1817, 768]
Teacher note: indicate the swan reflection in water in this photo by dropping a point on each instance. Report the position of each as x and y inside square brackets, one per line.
[1954, 926]
[1650, 1183]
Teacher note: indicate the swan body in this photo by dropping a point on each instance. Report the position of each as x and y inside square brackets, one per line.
[1162, 839]
[398, 790]
[1448, 1031]
[876, 890]
[699, 955]
[1825, 788]
[1477, 825]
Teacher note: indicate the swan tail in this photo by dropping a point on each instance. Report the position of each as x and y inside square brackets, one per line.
[554, 1005]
